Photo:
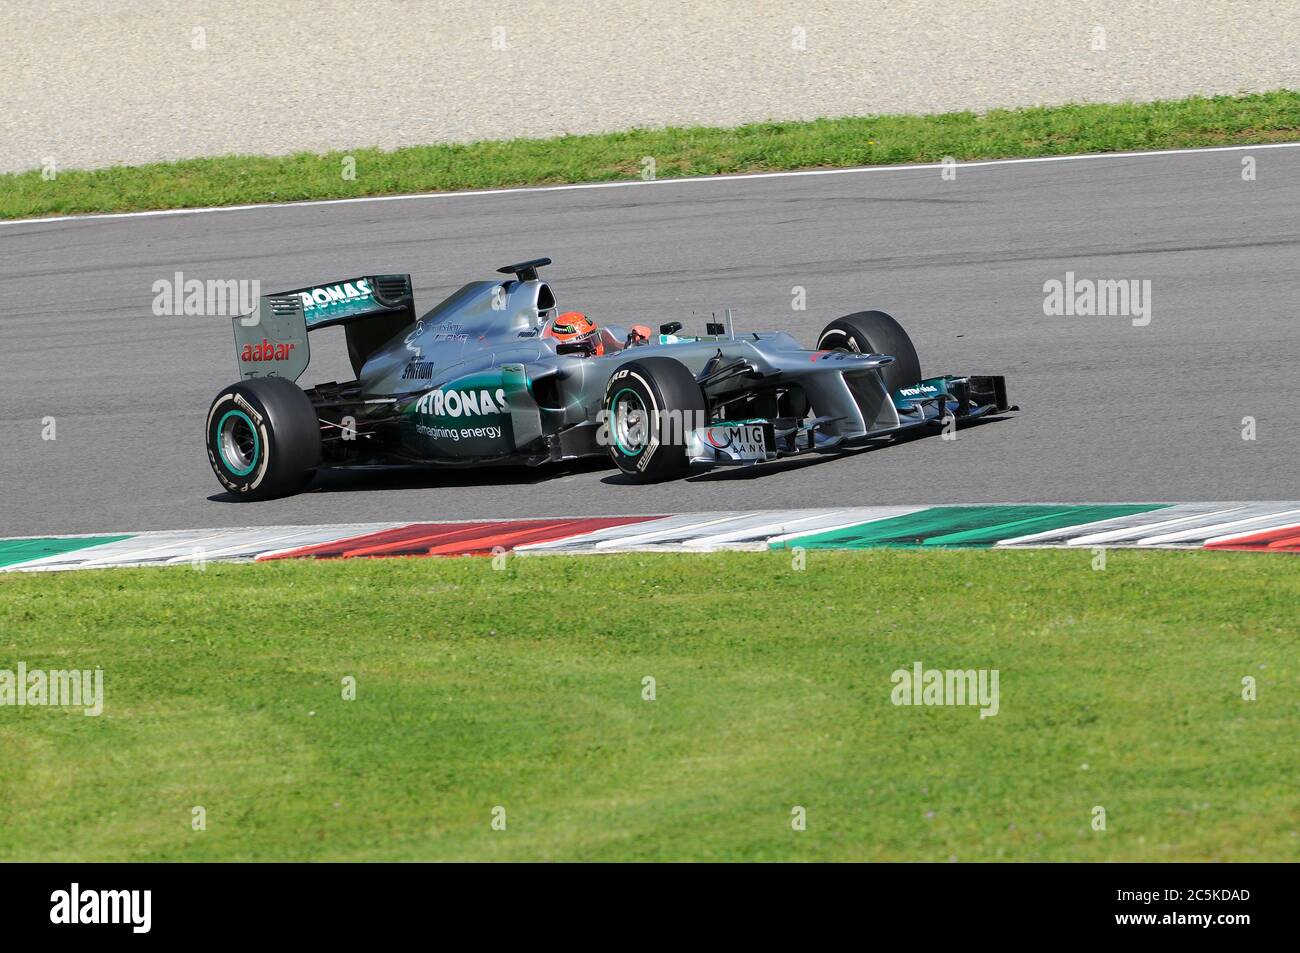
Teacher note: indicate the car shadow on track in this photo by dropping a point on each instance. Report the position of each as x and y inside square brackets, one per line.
[360, 479]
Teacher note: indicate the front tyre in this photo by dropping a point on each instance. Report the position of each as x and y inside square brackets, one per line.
[650, 406]
[263, 438]
[874, 332]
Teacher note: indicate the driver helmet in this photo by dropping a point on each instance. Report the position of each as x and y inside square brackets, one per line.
[574, 327]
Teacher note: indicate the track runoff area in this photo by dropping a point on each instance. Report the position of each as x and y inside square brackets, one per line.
[1241, 526]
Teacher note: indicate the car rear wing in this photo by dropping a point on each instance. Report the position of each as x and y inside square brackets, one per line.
[272, 342]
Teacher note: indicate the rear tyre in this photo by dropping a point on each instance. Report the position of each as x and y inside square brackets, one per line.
[263, 438]
[650, 405]
[874, 332]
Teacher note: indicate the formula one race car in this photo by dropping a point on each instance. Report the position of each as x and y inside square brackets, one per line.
[496, 374]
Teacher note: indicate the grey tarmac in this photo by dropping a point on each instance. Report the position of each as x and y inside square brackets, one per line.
[1112, 411]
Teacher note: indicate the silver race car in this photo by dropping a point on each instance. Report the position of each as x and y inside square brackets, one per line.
[496, 374]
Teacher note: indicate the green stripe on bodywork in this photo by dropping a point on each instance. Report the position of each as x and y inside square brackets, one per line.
[963, 525]
[14, 551]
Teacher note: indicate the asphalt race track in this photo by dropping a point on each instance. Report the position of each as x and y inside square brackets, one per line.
[1112, 411]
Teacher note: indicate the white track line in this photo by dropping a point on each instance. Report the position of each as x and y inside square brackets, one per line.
[241, 546]
[1049, 534]
[91, 554]
[1252, 532]
[638, 539]
[588, 540]
[760, 533]
[637, 183]
[1214, 531]
[1147, 529]
[152, 553]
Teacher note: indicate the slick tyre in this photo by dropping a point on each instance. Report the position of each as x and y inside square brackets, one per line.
[874, 332]
[650, 406]
[263, 438]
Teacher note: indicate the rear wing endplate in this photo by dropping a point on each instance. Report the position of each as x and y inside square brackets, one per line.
[272, 342]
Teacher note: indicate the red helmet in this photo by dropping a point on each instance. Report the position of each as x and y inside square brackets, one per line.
[574, 327]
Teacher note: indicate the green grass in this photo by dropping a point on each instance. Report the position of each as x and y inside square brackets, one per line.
[522, 687]
[228, 180]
